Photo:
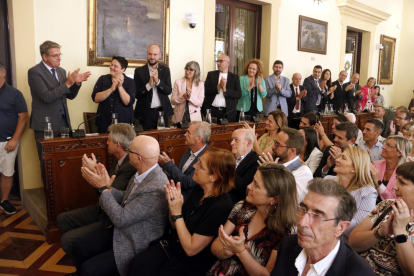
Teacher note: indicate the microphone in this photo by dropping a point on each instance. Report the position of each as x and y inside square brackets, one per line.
[80, 133]
[186, 124]
[224, 121]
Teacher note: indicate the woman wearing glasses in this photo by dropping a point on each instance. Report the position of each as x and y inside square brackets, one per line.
[194, 223]
[115, 93]
[410, 138]
[188, 95]
[247, 243]
[395, 151]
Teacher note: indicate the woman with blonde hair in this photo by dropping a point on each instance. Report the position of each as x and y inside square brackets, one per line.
[247, 243]
[366, 92]
[410, 138]
[353, 173]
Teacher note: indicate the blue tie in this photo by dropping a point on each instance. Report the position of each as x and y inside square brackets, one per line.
[54, 74]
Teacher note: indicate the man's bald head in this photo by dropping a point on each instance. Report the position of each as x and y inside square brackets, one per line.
[296, 79]
[153, 54]
[148, 149]
[223, 63]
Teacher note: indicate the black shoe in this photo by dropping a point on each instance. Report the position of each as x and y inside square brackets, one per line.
[8, 207]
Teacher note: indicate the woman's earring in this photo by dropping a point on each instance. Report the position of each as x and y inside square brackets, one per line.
[268, 211]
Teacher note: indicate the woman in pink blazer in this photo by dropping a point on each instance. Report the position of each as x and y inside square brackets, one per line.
[367, 91]
[188, 95]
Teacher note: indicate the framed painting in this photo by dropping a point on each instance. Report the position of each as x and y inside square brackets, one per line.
[313, 35]
[126, 28]
[386, 60]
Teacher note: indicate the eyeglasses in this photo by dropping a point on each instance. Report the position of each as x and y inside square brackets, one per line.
[189, 69]
[221, 60]
[130, 151]
[55, 56]
[279, 145]
[400, 118]
[389, 146]
[301, 212]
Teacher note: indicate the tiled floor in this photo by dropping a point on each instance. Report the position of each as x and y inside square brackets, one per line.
[24, 251]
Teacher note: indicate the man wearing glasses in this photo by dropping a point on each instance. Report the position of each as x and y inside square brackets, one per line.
[316, 249]
[393, 126]
[50, 86]
[222, 89]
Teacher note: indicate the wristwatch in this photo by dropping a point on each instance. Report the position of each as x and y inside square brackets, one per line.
[174, 218]
[101, 189]
[401, 238]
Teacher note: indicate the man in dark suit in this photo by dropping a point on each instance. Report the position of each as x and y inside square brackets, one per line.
[352, 88]
[339, 93]
[325, 213]
[153, 84]
[246, 162]
[315, 91]
[222, 89]
[50, 87]
[76, 224]
[294, 102]
[196, 137]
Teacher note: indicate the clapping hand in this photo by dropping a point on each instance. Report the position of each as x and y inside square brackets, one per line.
[267, 158]
[259, 80]
[251, 130]
[120, 80]
[335, 152]
[223, 83]
[79, 78]
[154, 75]
[89, 163]
[188, 93]
[402, 216]
[163, 159]
[174, 197]
[392, 127]
[322, 84]
[115, 84]
[319, 128]
[232, 244]
[332, 89]
[350, 86]
[278, 86]
[98, 177]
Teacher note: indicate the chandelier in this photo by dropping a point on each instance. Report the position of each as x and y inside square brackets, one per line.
[318, 1]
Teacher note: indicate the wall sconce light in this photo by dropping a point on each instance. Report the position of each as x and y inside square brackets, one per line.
[379, 46]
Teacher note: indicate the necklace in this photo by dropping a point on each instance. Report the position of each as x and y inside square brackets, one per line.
[390, 169]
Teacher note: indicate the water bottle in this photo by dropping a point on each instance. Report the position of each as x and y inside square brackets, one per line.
[114, 118]
[48, 134]
[161, 122]
[208, 116]
[326, 112]
[242, 118]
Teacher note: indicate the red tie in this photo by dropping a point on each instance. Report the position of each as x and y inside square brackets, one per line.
[297, 101]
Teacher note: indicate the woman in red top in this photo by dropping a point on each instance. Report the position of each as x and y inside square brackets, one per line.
[367, 91]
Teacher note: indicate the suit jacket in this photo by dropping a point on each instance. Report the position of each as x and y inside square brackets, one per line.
[291, 101]
[233, 93]
[324, 160]
[123, 174]
[139, 215]
[144, 97]
[273, 94]
[312, 95]
[245, 100]
[244, 176]
[185, 178]
[194, 103]
[351, 99]
[339, 95]
[346, 262]
[49, 97]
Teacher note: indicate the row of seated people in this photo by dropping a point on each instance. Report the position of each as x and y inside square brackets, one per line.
[215, 229]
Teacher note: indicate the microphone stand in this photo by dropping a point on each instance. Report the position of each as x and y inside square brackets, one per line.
[223, 121]
[80, 133]
[186, 124]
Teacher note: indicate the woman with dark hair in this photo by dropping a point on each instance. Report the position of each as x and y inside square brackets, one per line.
[327, 76]
[327, 140]
[247, 243]
[188, 95]
[384, 238]
[311, 154]
[366, 93]
[115, 93]
[377, 98]
[194, 223]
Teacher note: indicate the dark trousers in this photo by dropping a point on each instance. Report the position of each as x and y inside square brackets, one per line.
[94, 254]
[149, 120]
[216, 112]
[148, 262]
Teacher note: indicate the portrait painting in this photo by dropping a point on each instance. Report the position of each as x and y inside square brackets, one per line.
[312, 35]
[126, 28]
[386, 60]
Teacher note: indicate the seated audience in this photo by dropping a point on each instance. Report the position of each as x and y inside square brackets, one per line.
[195, 221]
[246, 162]
[311, 154]
[412, 112]
[115, 93]
[327, 140]
[384, 237]
[379, 114]
[352, 118]
[329, 88]
[410, 138]
[247, 244]
[278, 91]
[196, 138]
[317, 248]
[188, 95]
[139, 214]
[353, 172]
[308, 120]
[294, 102]
[370, 136]
[402, 116]
[395, 152]
[274, 123]
[253, 88]
[77, 223]
[339, 97]
[315, 88]
[377, 98]
[353, 90]
[366, 93]
[406, 128]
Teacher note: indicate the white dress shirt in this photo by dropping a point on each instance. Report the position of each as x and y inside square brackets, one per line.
[155, 102]
[191, 158]
[300, 102]
[219, 100]
[302, 176]
[314, 159]
[50, 70]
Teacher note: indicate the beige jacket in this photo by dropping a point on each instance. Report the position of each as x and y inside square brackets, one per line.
[195, 101]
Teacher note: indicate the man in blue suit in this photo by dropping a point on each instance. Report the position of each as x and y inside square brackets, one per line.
[315, 91]
[278, 90]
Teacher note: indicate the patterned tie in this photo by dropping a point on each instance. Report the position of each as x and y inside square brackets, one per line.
[189, 161]
[297, 101]
[238, 161]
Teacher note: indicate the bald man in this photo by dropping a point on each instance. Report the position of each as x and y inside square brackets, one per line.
[340, 93]
[139, 214]
[153, 84]
[294, 102]
[352, 88]
[222, 89]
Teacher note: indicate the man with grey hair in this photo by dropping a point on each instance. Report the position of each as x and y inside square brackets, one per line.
[196, 137]
[316, 249]
[339, 93]
[13, 114]
[353, 90]
[246, 162]
[50, 87]
[76, 224]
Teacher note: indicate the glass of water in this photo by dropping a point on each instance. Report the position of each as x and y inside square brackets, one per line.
[64, 132]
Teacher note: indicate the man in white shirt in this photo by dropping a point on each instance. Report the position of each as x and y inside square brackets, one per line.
[316, 249]
[294, 102]
[371, 142]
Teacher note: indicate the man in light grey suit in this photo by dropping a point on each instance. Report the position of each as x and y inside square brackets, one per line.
[278, 90]
[50, 86]
[139, 214]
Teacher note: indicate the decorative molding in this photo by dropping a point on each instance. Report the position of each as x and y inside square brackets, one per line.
[75, 146]
[355, 9]
[49, 180]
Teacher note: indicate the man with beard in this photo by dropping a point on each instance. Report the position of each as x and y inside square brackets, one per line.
[278, 90]
[339, 93]
[153, 84]
[316, 249]
[351, 89]
[315, 91]
[196, 137]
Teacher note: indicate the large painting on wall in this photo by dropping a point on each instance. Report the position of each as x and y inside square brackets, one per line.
[386, 60]
[313, 35]
[126, 28]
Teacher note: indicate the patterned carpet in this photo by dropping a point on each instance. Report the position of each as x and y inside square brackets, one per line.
[24, 251]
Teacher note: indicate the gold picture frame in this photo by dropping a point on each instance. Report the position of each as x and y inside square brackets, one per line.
[386, 60]
[126, 28]
[312, 35]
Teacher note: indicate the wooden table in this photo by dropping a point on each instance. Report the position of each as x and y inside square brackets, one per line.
[65, 187]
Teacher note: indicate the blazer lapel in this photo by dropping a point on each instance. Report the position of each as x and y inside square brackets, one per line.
[246, 161]
[337, 268]
[184, 158]
[47, 73]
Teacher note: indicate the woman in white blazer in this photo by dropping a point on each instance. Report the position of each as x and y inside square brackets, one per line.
[311, 154]
[188, 95]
